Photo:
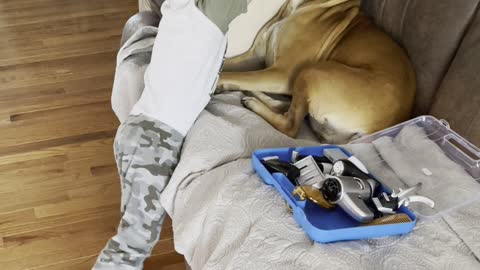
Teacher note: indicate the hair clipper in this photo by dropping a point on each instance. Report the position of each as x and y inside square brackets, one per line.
[351, 194]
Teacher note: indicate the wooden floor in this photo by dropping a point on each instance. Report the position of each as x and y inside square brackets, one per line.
[59, 190]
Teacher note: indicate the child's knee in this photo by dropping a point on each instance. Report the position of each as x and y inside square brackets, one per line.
[222, 12]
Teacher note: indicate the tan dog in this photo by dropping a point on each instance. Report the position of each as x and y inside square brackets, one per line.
[350, 77]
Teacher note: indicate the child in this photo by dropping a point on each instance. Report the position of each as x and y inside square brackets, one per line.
[186, 59]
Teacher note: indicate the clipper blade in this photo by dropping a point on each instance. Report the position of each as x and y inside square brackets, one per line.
[312, 194]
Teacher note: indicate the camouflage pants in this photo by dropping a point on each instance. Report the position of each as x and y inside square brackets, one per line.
[146, 152]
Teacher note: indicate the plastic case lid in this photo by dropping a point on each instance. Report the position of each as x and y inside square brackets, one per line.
[447, 193]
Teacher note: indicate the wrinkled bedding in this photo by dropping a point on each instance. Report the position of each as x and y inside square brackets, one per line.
[225, 217]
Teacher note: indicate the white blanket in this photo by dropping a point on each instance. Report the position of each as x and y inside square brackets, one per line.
[225, 217]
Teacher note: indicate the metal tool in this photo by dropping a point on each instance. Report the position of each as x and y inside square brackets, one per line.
[310, 172]
[346, 167]
[312, 194]
[335, 155]
[389, 204]
[322, 162]
[351, 194]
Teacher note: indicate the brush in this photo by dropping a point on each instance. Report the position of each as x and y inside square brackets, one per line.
[392, 219]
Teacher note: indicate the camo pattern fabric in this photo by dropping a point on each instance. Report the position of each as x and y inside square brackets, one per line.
[146, 152]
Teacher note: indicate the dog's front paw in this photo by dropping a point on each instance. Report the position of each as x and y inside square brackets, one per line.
[225, 84]
[250, 102]
[219, 88]
[222, 87]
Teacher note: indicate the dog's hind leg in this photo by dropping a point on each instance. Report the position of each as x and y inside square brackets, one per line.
[269, 80]
[276, 105]
[243, 62]
[290, 122]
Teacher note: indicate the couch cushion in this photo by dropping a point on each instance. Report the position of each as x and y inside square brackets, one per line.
[150, 5]
[430, 31]
[458, 99]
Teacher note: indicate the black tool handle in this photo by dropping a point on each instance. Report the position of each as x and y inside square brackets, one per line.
[345, 167]
[286, 168]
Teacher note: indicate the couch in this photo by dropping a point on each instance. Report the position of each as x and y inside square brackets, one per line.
[442, 40]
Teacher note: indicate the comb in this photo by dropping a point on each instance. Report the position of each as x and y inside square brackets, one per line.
[393, 219]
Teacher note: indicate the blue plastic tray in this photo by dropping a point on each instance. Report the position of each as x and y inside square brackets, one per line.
[323, 225]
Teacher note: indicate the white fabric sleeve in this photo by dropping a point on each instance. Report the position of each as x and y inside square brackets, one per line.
[186, 60]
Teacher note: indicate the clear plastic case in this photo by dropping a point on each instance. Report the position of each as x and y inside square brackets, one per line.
[457, 149]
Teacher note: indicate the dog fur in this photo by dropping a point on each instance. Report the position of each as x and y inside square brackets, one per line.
[337, 66]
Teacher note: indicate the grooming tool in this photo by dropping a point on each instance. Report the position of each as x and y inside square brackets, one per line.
[345, 167]
[334, 154]
[319, 160]
[386, 204]
[358, 164]
[327, 168]
[289, 208]
[275, 165]
[351, 194]
[391, 219]
[323, 163]
[312, 194]
[389, 204]
[420, 199]
[310, 173]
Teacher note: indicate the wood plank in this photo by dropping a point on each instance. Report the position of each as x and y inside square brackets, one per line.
[54, 244]
[53, 182]
[13, 219]
[60, 196]
[177, 266]
[44, 44]
[81, 263]
[59, 123]
[59, 188]
[54, 90]
[30, 147]
[33, 12]
[51, 102]
[99, 150]
[168, 261]
[15, 225]
[69, 169]
[58, 244]
[31, 173]
[58, 70]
